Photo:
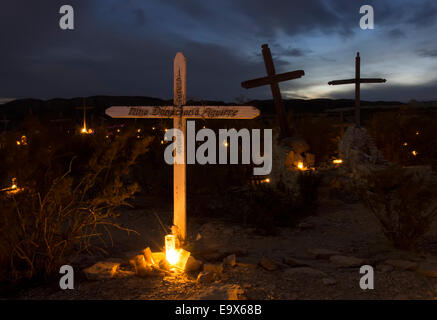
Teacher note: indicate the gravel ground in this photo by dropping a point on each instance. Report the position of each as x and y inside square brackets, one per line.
[348, 229]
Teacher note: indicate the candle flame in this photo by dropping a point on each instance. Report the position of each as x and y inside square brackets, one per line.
[171, 254]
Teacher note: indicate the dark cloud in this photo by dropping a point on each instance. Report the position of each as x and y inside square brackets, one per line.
[429, 53]
[397, 34]
[126, 47]
[424, 15]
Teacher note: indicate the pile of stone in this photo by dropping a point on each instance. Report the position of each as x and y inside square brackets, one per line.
[359, 153]
[149, 263]
[287, 154]
[144, 264]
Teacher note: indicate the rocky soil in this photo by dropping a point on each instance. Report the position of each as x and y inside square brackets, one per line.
[320, 259]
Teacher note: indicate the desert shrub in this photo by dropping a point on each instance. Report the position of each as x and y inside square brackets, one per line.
[322, 136]
[72, 186]
[398, 133]
[403, 200]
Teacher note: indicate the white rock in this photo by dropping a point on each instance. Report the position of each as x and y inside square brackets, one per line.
[101, 270]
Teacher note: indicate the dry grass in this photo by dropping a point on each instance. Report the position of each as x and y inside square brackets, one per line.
[60, 215]
[403, 200]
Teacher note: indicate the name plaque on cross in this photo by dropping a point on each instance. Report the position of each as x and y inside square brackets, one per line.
[209, 112]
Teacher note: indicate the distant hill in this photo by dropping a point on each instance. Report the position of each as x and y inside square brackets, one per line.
[71, 108]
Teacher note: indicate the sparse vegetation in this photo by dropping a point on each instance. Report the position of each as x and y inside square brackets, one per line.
[72, 186]
[403, 200]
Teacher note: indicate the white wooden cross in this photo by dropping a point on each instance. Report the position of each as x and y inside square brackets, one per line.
[180, 113]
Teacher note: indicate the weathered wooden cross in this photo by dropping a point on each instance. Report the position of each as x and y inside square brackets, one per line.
[357, 81]
[180, 113]
[273, 80]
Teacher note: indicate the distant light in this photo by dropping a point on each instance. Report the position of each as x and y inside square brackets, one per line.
[13, 189]
[165, 129]
[300, 165]
[139, 130]
[225, 143]
[414, 152]
[267, 180]
[118, 130]
[405, 144]
[153, 128]
[84, 130]
[18, 143]
[417, 133]
[23, 140]
[162, 141]
[337, 161]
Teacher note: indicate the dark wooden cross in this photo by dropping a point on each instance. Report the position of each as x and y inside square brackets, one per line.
[273, 80]
[357, 81]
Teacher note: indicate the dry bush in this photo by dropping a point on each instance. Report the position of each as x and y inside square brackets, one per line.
[404, 202]
[71, 188]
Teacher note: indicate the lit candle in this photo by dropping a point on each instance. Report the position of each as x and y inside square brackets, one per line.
[171, 254]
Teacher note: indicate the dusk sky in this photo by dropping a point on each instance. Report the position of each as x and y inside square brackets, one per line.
[126, 47]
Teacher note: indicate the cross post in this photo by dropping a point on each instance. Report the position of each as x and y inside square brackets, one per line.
[357, 81]
[180, 113]
[273, 80]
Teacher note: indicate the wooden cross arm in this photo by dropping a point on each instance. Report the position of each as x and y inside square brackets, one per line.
[352, 81]
[372, 80]
[337, 82]
[272, 79]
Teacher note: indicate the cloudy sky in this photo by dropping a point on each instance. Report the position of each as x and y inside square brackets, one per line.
[126, 47]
